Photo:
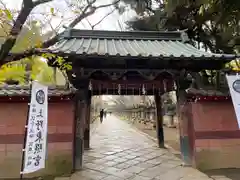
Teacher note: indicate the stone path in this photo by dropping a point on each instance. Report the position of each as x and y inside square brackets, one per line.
[119, 152]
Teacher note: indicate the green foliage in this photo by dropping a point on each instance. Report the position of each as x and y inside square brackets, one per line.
[30, 36]
[58, 61]
[17, 71]
[12, 72]
[215, 23]
[7, 13]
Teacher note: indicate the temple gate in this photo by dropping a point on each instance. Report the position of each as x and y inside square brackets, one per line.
[132, 63]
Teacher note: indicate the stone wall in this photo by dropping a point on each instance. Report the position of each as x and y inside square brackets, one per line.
[217, 136]
[60, 138]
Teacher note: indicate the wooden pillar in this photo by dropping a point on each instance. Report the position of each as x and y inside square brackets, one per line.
[185, 120]
[185, 130]
[159, 121]
[79, 124]
[88, 121]
[144, 115]
[153, 117]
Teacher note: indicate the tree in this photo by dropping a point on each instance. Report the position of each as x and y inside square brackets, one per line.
[214, 23]
[81, 10]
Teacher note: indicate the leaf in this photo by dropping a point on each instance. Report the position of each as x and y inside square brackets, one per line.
[1, 12]
[201, 10]
[35, 22]
[52, 11]
[39, 44]
[8, 14]
[76, 12]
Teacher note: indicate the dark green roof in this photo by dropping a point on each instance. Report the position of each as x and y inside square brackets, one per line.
[131, 44]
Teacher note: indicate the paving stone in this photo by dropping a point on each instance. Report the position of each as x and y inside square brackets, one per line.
[88, 174]
[121, 153]
[137, 177]
[111, 163]
[122, 166]
[120, 160]
[145, 165]
[62, 178]
[112, 178]
[132, 162]
[135, 169]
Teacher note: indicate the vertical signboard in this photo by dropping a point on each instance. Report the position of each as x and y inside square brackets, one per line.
[234, 88]
[36, 136]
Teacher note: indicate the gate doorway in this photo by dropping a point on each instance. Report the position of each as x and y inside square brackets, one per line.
[140, 112]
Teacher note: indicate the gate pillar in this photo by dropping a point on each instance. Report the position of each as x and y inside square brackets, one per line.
[159, 121]
[88, 121]
[185, 121]
[81, 99]
[185, 130]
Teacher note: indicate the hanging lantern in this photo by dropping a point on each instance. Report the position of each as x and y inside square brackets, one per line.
[107, 91]
[99, 89]
[90, 86]
[143, 90]
[119, 89]
[164, 86]
[174, 86]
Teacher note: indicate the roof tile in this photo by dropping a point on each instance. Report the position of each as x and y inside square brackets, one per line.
[134, 44]
[19, 90]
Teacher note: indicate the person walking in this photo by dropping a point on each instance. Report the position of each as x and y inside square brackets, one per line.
[101, 115]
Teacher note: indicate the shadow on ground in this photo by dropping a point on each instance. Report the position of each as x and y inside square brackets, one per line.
[231, 174]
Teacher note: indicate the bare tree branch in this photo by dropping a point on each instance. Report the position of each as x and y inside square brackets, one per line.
[28, 6]
[89, 23]
[104, 17]
[35, 4]
[84, 14]
[92, 10]
[24, 13]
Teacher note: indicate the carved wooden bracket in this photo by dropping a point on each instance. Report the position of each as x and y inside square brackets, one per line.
[116, 74]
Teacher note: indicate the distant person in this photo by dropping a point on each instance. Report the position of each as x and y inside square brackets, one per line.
[101, 115]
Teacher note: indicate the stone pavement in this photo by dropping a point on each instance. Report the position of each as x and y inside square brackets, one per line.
[119, 152]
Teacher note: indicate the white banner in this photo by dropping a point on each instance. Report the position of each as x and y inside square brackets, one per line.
[36, 140]
[234, 87]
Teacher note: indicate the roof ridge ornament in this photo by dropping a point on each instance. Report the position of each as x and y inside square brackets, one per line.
[184, 36]
[67, 31]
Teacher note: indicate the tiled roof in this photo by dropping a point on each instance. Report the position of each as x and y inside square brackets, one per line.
[130, 44]
[204, 92]
[19, 90]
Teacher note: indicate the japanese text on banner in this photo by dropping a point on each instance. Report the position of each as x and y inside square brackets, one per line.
[36, 142]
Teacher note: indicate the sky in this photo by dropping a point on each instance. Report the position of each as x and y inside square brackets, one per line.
[112, 22]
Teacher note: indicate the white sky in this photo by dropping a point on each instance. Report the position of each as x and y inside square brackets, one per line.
[110, 23]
